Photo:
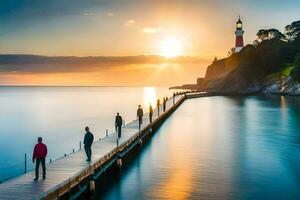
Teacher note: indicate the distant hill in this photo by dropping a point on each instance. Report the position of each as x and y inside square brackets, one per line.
[13, 59]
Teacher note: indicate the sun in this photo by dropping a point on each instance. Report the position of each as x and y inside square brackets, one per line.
[170, 47]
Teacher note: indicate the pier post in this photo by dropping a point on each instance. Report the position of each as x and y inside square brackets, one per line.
[140, 142]
[80, 145]
[106, 133]
[92, 185]
[92, 189]
[119, 161]
[25, 169]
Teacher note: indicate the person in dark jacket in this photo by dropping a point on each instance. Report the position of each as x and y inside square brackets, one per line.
[173, 98]
[118, 124]
[150, 112]
[140, 114]
[88, 141]
[39, 155]
[157, 106]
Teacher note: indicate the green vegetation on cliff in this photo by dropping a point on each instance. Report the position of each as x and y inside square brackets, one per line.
[296, 69]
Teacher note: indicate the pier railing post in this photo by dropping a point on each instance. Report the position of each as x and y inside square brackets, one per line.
[106, 133]
[25, 169]
[80, 145]
[173, 100]
[92, 185]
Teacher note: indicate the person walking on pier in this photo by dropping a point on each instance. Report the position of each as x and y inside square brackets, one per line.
[140, 114]
[173, 98]
[88, 141]
[157, 106]
[164, 104]
[118, 124]
[150, 113]
[39, 155]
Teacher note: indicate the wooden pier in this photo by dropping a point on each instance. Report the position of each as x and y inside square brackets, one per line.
[71, 175]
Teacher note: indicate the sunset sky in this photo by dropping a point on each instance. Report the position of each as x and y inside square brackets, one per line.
[202, 28]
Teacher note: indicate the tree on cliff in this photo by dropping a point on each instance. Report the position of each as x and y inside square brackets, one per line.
[296, 72]
[269, 34]
[292, 31]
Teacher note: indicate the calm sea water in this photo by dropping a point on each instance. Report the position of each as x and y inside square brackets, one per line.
[59, 115]
[219, 148]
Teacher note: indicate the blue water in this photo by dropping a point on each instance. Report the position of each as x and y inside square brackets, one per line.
[219, 148]
[59, 115]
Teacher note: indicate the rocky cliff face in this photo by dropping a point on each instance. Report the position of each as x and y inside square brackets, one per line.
[261, 69]
[216, 70]
[235, 81]
[221, 68]
[286, 86]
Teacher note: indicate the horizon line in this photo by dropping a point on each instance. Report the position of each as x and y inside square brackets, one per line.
[110, 56]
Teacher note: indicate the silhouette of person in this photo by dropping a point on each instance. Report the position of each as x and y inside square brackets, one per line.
[118, 124]
[157, 106]
[164, 104]
[150, 112]
[173, 98]
[39, 154]
[140, 114]
[88, 141]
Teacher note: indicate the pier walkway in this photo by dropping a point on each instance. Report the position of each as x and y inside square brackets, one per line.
[65, 173]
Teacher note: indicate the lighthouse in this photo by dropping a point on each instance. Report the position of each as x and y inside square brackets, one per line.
[239, 39]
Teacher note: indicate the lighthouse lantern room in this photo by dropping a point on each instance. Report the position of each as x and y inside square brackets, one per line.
[239, 33]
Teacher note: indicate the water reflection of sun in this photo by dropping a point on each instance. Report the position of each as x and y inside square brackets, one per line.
[149, 96]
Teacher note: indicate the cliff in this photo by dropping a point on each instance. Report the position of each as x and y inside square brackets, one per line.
[270, 66]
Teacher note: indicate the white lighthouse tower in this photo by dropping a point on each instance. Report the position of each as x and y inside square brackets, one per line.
[239, 36]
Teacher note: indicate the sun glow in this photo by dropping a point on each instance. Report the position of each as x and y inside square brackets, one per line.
[171, 47]
[149, 96]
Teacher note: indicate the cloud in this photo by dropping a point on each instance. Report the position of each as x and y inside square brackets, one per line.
[17, 63]
[152, 30]
[88, 13]
[110, 14]
[129, 22]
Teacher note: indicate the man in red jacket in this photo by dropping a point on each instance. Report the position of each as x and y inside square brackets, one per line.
[39, 154]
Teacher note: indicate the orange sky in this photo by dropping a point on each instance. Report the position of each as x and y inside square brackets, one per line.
[171, 28]
[123, 75]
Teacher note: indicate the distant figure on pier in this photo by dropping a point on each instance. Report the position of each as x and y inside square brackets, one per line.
[164, 104]
[157, 106]
[88, 141]
[150, 112]
[140, 114]
[173, 98]
[39, 154]
[118, 124]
